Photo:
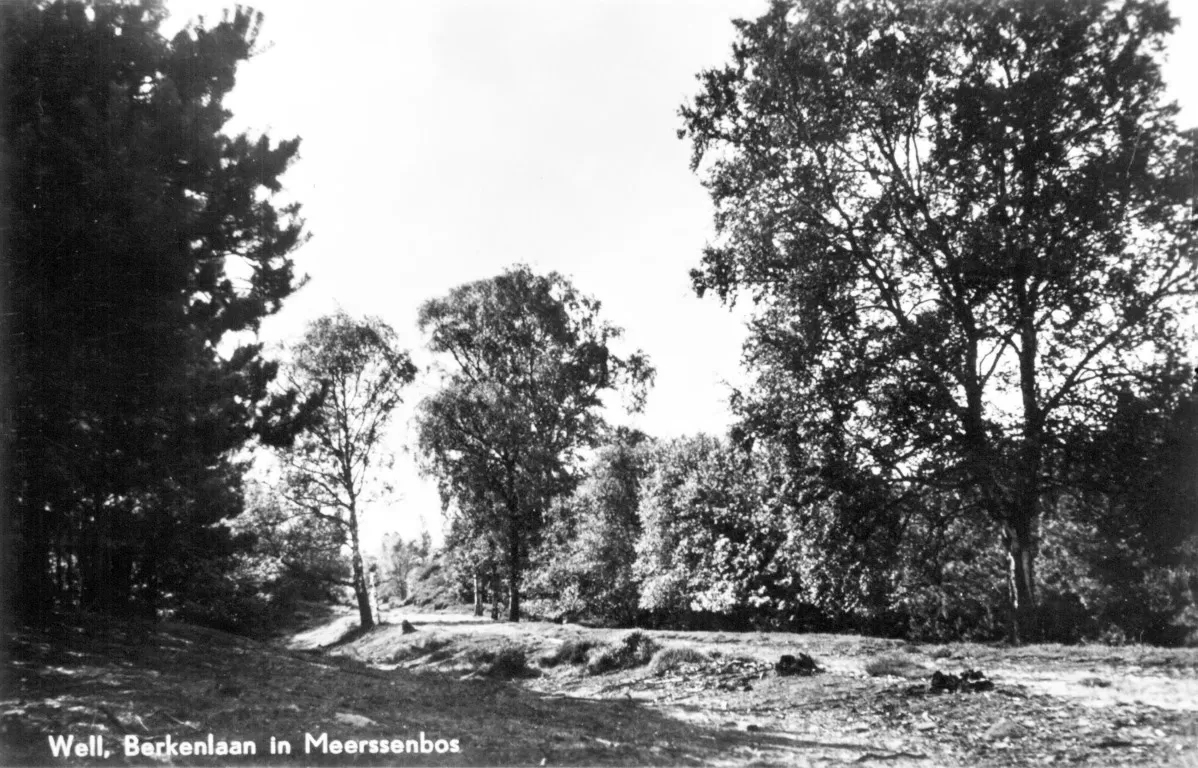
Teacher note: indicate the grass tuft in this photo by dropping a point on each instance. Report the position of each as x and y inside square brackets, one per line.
[569, 652]
[634, 649]
[670, 659]
[425, 646]
[894, 664]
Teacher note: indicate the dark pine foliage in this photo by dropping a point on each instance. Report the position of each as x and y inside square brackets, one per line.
[139, 236]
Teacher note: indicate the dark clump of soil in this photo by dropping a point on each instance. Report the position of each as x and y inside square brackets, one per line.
[969, 681]
[802, 664]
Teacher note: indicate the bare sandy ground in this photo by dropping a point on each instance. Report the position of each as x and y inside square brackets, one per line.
[1094, 675]
[726, 705]
[1093, 705]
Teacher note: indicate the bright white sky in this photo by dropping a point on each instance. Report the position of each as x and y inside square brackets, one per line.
[444, 141]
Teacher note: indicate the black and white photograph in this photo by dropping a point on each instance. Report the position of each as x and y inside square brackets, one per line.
[599, 383]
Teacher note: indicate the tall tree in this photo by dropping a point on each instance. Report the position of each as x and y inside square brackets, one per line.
[139, 235]
[967, 227]
[531, 360]
[332, 468]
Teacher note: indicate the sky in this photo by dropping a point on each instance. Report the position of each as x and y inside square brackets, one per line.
[445, 141]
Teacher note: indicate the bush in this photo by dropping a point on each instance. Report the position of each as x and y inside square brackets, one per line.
[240, 611]
[604, 659]
[639, 647]
[510, 661]
[670, 659]
[1095, 587]
[632, 650]
[569, 652]
[243, 596]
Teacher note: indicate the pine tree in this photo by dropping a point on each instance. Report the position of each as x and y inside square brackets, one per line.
[139, 237]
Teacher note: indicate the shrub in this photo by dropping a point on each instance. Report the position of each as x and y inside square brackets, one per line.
[240, 612]
[510, 661]
[569, 652]
[639, 647]
[670, 659]
[632, 650]
[244, 599]
[603, 659]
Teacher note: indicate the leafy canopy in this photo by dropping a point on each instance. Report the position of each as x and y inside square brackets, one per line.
[530, 361]
[966, 228]
[358, 372]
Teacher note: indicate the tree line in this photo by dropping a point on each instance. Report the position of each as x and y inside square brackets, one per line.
[966, 232]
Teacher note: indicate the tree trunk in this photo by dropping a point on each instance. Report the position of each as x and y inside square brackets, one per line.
[150, 571]
[72, 577]
[373, 591]
[96, 567]
[494, 582]
[33, 588]
[361, 590]
[514, 575]
[1022, 533]
[1021, 581]
[478, 593]
[121, 563]
[59, 570]
[494, 587]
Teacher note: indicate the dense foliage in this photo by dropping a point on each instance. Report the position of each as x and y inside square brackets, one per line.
[401, 561]
[584, 565]
[709, 534]
[138, 238]
[722, 537]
